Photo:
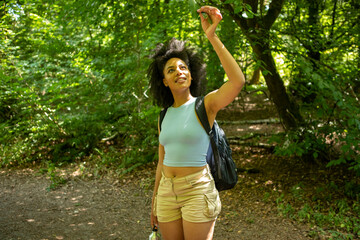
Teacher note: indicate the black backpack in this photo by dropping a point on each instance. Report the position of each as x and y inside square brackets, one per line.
[223, 168]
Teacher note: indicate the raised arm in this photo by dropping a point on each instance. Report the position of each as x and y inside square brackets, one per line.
[220, 98]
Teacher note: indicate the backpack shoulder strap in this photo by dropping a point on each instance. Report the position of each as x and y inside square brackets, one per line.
[161, 117]
[201, 113]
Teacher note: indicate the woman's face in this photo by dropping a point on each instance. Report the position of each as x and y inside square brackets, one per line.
[176, 74]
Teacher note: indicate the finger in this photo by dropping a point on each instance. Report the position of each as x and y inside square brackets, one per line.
[156, 221]
[207, 9]
[204, 9]
[155, 224]
[215, 12]
[211, 12]
[201, 16]
[205, 19]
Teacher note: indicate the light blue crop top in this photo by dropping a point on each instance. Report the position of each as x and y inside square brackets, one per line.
[183, 137]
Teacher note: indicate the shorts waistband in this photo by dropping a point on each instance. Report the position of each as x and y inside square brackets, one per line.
[187, 177]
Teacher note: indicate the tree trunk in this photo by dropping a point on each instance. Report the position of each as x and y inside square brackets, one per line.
[314, 45]
[288, 111]
[257, 31]
[255, 77]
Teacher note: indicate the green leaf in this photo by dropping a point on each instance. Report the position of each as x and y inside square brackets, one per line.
[238, 9]
[193, 8]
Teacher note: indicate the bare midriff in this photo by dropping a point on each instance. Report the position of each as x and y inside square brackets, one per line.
[171, 172]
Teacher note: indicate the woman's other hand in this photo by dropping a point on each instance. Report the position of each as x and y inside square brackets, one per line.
[153, 220]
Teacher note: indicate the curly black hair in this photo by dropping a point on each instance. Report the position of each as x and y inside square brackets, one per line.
[174, 48]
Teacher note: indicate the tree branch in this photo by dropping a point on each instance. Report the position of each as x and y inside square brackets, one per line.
[252, 22]
[242, 23]
[333, 20]
[253, 4]
[273, 12]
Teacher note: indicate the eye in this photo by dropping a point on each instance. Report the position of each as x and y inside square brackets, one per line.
[170, 70]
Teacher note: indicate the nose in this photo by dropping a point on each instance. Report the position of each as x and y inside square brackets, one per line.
[178, 71]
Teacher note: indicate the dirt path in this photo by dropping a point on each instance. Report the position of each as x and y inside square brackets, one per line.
[95, 209]
[113, 208]
[108, 209]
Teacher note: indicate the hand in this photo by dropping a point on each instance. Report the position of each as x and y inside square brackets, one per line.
[154, 220]
[215, 16]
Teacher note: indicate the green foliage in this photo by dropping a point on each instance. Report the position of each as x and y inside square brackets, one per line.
[74, 86]
[55, 179]
[337, 221]
[67, 87]
[73, 74]
[302, 143]
[332, 129]
[322, 78]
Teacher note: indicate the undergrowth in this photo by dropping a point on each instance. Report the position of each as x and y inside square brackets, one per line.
[329, 217]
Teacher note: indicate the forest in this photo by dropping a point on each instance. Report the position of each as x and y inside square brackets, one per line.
[74, 89]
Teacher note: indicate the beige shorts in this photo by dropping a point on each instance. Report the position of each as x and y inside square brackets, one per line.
[193, 198]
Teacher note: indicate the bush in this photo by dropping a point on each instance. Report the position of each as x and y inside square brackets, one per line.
[331, 131]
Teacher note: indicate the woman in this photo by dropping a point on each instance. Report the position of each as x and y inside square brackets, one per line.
[186, 203]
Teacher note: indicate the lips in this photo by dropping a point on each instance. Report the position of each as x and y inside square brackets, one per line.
[180, 79]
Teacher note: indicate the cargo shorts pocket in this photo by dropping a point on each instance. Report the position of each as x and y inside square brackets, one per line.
[213, 204]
